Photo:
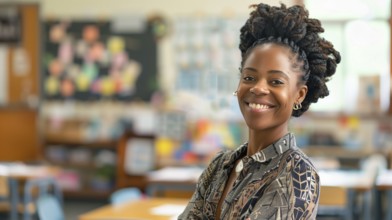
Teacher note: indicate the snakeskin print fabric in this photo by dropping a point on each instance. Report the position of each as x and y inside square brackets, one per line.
[278, 182]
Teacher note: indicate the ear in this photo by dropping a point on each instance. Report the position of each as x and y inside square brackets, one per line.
[303, 90]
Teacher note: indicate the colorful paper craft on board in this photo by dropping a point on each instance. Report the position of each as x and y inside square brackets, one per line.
[87, 60]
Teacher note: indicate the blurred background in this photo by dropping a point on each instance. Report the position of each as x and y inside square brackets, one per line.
[109, 93]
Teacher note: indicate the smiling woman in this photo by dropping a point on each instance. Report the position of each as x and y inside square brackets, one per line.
[284, 68]
[268, 89]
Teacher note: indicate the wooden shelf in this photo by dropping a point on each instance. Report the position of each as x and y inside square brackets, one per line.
[172, 162]
[109, 144]
[84, 169]
[334, 151]
[87, 166]
[87, 193]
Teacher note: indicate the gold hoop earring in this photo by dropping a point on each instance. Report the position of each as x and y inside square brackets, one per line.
[297, 106]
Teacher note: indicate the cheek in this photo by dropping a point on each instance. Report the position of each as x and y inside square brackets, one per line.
[287, 98]
[241, 90]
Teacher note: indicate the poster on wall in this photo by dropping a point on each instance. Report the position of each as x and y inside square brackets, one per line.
[88, 61]
[10, 24]
[369, 97]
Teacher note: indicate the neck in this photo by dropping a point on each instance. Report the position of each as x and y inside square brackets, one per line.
[258, 140]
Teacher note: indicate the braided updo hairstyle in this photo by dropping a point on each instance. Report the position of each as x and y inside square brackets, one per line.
[293, 28]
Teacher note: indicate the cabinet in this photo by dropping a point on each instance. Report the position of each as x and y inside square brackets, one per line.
[18, 134]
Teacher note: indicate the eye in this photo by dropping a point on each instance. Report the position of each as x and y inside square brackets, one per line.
[277, 82]
[248, 78]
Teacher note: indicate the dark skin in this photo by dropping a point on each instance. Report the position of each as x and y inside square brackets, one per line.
[268, 89]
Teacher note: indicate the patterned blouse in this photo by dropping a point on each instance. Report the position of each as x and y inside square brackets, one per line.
[278, 182]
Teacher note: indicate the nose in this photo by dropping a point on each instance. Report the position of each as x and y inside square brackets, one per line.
[260, 88]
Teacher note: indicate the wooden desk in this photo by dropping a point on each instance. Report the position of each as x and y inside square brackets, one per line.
[20, 173]
[384, 180]
[344, 187]
[23, 172]
[171, 189]
[141, 209]
[173, 181]
[349, 179]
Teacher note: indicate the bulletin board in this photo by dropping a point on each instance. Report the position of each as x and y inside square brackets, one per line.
[88, 60]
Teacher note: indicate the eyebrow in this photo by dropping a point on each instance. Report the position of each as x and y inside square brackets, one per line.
[269, 71]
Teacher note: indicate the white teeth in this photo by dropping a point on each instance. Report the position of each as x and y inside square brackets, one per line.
[258, 106]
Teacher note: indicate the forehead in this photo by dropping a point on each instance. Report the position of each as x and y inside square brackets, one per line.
[270, 54]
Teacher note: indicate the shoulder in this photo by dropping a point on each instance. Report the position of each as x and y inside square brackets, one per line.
[303, 184]
[226, 157]
[300, 171]
[221, 156]
[298, 161]
[220, 160]
[218, 164]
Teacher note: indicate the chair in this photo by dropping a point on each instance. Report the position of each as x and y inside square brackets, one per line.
[374, 164]
[9, 197]
[336, 202]
[125, 195]
[44, 186]
[49, 208]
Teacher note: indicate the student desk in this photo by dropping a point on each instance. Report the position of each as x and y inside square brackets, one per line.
[151, 208]
[383, 189]
[18, 173]
[354, 183]
[169, 181]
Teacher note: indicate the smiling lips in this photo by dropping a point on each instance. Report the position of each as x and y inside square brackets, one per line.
[259, 107]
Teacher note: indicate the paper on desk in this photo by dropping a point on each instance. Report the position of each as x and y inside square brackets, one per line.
[4, 171]
[168, 210]
[385, 177]
[175, 174]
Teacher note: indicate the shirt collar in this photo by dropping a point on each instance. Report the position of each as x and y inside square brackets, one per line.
[278, 147]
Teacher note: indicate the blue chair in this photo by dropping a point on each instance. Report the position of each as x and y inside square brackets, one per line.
[9, 195]
[45, 186]
[125, 195]
[49, 208]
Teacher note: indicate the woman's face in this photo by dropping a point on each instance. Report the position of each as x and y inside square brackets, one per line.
[269, 87]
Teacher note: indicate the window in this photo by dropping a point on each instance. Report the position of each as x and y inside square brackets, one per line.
[362, 37]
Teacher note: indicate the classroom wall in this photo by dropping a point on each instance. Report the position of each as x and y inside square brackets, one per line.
[110, 8]
[168, 8]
